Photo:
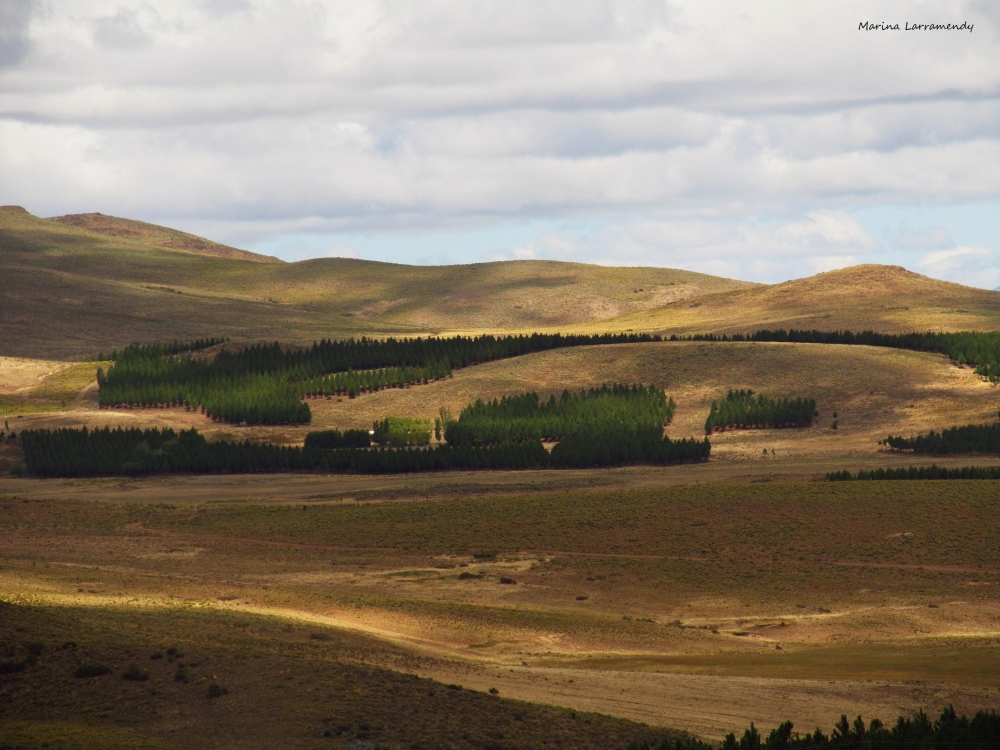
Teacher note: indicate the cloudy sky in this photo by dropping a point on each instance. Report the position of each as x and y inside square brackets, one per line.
[754, 139]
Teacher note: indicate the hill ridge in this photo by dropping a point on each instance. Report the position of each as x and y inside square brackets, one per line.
[155, 234]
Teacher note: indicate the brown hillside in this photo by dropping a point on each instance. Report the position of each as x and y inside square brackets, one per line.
[882, 298]
[112, 226]
[71, 292]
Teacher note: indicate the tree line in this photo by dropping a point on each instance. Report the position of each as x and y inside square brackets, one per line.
[159, 350]
[741, 409]
[264, 384]
[525, 417]
[978, 348]
[919, 732]
[330, 439]
[971, 438]
[68, 452]
[918, 472]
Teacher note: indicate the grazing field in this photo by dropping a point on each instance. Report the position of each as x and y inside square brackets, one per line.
[80, 285]
[875, 392]
[891, 582]
[602, 606]
[276, 685]
[888, 299]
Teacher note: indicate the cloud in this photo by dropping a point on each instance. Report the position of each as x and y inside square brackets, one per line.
[122, 30]
[749, 249]
[762, 129]
[932, 238]
[15, 16]
[972, 266]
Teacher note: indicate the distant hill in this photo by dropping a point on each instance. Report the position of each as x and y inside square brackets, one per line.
[80, 284]
[151, 234]
[76, 285]
[882, 298]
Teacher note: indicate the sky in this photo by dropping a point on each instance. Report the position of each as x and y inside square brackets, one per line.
[757, 140]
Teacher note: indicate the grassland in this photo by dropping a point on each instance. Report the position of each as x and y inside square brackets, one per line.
[80, 284]
[695, 597]
[287, 686]
[677, 589]
[888, 299]
[70, 292]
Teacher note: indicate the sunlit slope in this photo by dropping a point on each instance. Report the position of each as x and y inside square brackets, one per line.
[875, 391]
[882, 298]
[81, 284]
[157, 236]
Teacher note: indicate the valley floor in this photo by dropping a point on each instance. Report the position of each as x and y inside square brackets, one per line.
[694, 597]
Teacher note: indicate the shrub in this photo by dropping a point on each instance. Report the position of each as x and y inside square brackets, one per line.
[10, 666]
[92, 670]
[134, 673]
[18, 470]
[216, 691]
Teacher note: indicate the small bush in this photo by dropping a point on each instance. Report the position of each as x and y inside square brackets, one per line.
[92, 670]
[35, 648]
[508, 581]
[18, 470]
[216, 691]
[156, 655]
[181, 675]
[12, 667]
[494, 691]
[466, 575]
[134, 673]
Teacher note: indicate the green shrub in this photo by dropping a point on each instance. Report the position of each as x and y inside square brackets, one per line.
[134, 673]
[216, 691]
[399, 431]
[92, 670]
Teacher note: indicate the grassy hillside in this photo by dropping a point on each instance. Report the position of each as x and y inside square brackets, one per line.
[77, 285]
[889, 299]
[151, 234]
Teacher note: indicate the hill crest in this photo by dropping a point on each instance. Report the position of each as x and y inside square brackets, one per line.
[154, 234]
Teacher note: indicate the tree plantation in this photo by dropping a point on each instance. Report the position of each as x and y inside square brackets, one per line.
[106, 452]
[919, 732]
[741, 409]
[264, 384]
[918, 472]
[979, 348]
[971, 438]
[524, 417]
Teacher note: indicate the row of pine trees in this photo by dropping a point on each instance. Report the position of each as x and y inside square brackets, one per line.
[264, 384]
[971, 438]
[978, 348]
[918, 472]
[70, 452]
[525, 417]
[741, 409]
[950, 731]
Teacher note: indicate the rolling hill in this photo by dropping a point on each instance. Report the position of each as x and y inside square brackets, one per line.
[79, 284]
[889, 299]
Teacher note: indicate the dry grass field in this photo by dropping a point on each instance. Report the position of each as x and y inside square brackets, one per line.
[882, 298]
[338, 610]
[672, 595]
[659, 595]
[78, 285]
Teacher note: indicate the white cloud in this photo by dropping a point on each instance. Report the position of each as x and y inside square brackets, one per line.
[748, 249]
[752, 130]
[972, 266]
